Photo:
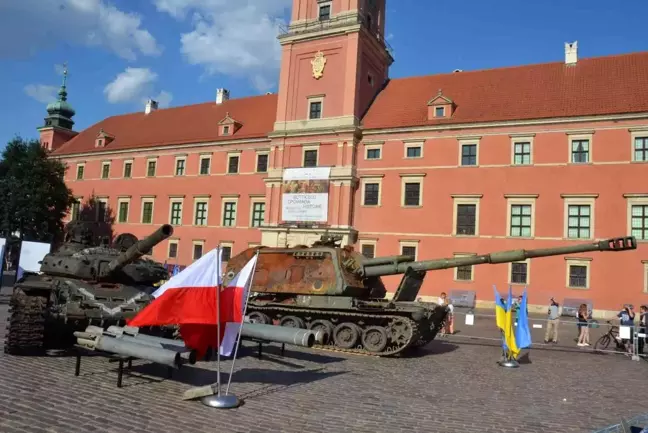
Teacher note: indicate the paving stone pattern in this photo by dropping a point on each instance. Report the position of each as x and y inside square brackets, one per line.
[454, 385]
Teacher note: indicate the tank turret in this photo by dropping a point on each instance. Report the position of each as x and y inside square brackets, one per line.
[82, 284]
[340, 291]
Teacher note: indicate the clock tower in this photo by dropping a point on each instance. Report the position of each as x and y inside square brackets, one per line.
[334, 62]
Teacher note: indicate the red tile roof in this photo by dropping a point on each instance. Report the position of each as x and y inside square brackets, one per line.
[179, 125]
[593, 86]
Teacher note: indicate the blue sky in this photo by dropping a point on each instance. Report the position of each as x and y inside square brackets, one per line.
[120, 52]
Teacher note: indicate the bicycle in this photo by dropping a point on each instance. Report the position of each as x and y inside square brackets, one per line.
[613, 334]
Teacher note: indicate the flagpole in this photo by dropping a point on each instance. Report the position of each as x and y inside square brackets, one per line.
[238, 337]
[218, 323]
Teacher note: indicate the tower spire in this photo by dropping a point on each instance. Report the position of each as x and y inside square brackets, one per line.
[63, 90]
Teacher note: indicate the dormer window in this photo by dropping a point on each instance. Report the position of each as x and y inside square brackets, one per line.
[440, 106]
[103, 139]
[226, 129]
[228, 125]
[325, 12]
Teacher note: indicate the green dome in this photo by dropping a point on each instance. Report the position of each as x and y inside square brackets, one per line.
[62, 107]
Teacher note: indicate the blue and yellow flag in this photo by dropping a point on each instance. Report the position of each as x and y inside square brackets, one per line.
[509, 335]
[522, 332]
[500, 310]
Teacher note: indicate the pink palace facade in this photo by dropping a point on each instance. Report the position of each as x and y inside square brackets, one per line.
[444, 165]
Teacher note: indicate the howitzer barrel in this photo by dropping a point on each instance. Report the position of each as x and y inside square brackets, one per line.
[118, 346]
[140, 248]
[612, 244]
[279, 334]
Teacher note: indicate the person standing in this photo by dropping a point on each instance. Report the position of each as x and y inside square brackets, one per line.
[551, 335]
[583, 336]
[643, 324]
[626, 318]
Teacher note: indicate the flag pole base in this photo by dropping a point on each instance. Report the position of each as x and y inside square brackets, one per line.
[228, 401]
[509, 363]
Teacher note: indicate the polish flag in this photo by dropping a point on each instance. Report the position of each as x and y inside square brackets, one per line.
[188, 299]
[235, 294]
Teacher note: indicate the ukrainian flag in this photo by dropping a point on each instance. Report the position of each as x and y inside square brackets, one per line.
[509, 335]
[522, 332]
[500, 310]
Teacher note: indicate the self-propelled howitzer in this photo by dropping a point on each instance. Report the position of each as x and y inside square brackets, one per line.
[340, 291]
[81, 284]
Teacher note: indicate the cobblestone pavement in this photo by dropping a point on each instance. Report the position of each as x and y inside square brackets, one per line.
[453, 385]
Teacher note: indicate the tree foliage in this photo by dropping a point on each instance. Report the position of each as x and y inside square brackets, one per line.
[33, 195]
[100, 219]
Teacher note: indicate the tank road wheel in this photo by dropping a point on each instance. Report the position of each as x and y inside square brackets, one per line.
[26, 330]
[292, 322]
[401, 332]
[260, 318]
[374, 339]
[322, 325]
[346, 334]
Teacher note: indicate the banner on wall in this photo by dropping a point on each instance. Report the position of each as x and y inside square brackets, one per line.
[31, 253]
[305, 194]
[3, 243]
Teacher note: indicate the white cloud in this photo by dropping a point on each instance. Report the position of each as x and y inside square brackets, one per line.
[237, 38]
[136, 85]
[41, 92]
[33, 25]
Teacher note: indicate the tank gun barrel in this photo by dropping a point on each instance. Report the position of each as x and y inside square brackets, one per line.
[140, 248]
[372, 268]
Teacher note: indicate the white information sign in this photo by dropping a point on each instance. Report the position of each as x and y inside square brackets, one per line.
[31, 253]
[305, 194]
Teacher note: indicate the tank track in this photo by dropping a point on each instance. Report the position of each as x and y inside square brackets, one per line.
[391, 349]
[27, 323]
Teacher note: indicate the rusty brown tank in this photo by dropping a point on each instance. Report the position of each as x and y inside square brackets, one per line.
[338, 290]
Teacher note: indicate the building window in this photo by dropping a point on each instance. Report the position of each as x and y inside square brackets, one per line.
[324, 12]
[226, 129]
[373, 153]
[522, 153]
[639, 222]
[227, 253]
[468, 154]
[205, 164]
[521, 220]
[200, 218]
[578, 276]
[173, 250]
[412, 193]
[80, 170]
[197, 251]
[368, 250]
[315, 110]
[371, 194]
[233, 165]
[579, 221]
[466, 219]
[150, 168]
[310, 158]
[580, 151]
[176, 213]
[439, 112]
[128, 170]
[464, 273]
[413, 152]
[229, 214]
[105, 170]
[262, 163]
[123, 212]
[258, 214]
[147, 212]
[102, 207]
[641, 149]
[180, 167]
[408, 250]
[75, 211]
[519, 272]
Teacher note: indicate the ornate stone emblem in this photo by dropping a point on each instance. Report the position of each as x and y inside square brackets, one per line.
[318, 64]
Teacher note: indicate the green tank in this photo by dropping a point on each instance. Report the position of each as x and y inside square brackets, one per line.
[339, 291]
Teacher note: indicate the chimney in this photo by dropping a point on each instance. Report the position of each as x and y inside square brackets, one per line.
[151, 105]
[571, 53]
[222, 95]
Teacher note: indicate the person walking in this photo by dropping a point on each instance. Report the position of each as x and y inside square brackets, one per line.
[551, 335]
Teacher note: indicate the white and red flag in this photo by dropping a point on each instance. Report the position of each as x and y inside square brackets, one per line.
[188, 299]
[235, 294]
